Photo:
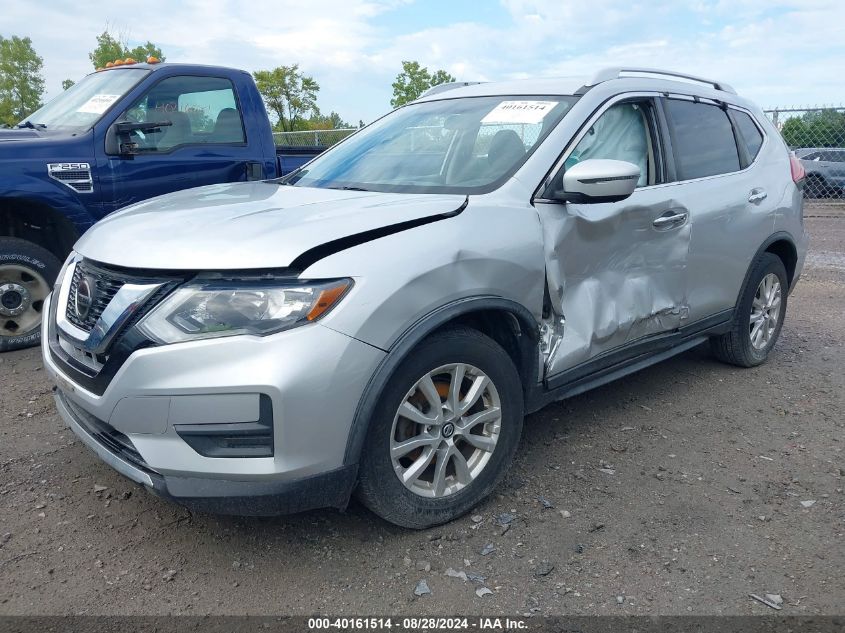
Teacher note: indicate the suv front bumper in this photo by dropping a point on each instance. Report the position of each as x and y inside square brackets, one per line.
[312, 375]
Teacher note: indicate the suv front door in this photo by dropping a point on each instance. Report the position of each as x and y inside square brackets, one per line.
[616, 271]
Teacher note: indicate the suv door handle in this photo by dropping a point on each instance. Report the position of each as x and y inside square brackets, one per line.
[670, 219]
[757, 195]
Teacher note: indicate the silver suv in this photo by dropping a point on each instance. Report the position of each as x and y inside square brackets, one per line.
[379, 321]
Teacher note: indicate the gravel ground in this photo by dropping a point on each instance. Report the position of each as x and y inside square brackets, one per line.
[678, 490]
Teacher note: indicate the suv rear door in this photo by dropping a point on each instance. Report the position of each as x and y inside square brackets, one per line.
[729, 194]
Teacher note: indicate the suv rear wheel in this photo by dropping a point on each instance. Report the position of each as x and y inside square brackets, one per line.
[759, 315]
[445, 429]
[27, 273]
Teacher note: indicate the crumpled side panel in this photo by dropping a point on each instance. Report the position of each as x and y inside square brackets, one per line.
[612, 275]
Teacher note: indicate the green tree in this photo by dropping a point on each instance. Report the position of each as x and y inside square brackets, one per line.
[67, 83]
[819, 128]
[415, 80]
[21, 83]
[289, 94]
[321, 122]
[110, 48]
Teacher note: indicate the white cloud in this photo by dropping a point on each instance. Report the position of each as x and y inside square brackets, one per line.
[774, 51]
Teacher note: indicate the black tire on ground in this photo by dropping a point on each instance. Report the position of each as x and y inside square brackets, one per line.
[380, 489]
[735, 346]
[22, 254]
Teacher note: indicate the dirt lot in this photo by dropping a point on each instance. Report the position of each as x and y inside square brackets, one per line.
[679, 490]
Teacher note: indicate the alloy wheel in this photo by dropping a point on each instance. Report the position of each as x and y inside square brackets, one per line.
[765, 311]
[445, 430]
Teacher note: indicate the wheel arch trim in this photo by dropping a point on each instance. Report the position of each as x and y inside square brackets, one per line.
[780, 236]
[411, 337]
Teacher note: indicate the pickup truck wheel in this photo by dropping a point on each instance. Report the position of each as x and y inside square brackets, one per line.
[759, 315]
[27, 273]
[444, 431]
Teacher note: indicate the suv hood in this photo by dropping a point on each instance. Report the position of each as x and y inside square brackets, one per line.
[251, 225]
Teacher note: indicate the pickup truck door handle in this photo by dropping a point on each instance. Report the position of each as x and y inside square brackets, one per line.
[757, 195]
[671, 218]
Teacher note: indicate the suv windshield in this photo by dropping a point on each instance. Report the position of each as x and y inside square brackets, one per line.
[83, 104]
[465, 145]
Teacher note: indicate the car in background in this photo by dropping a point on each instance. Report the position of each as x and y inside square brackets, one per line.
[825, 167]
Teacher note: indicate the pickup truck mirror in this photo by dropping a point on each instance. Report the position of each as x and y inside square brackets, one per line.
[119, 136]
[598, 180]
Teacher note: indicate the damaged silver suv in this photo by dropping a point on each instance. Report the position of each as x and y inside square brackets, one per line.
[378, 322]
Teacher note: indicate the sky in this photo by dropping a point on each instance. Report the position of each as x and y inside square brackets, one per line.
[776, 52]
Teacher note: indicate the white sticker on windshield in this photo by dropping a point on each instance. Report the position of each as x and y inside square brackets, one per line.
[519, 112]
[98, 104]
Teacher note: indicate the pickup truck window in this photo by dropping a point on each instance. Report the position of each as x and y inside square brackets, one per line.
[464, 145]
[199, 110]
[83, 104]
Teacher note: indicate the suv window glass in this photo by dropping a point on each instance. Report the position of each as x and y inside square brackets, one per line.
[199, 110]
[750, 133]
[461, 145]
[621, 133]
[703, 139]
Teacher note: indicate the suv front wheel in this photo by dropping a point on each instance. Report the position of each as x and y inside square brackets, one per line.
[759, 315]
[445, 429]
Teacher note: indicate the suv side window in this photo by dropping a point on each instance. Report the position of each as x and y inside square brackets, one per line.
[623, 132]
[702, 139]
[200, 110]
[749, 132]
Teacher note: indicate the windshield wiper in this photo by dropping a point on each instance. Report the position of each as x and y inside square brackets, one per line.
[31, 125]
[349, 188]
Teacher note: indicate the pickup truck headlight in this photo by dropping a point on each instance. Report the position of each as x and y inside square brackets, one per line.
[212, 309]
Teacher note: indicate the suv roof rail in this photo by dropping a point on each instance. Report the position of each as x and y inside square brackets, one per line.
[606, 74]
[449, 85]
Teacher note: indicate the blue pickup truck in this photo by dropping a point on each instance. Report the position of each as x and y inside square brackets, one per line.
[121, 135]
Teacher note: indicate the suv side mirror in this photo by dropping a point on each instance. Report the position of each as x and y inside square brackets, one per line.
[119, 136]
[598, 180]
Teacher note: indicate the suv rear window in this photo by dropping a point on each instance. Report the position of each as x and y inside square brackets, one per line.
[750, 133]
[702, 139]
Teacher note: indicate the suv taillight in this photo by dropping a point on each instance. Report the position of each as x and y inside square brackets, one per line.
[796, 167]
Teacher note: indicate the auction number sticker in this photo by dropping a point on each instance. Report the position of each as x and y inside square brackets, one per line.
[519, 112]
[98, 104]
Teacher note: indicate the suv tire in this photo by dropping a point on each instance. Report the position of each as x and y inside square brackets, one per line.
[458, 472]
[27, 274]
[748, 343]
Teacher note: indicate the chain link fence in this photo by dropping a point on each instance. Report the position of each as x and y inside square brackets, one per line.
[312, 138]
[817, 136]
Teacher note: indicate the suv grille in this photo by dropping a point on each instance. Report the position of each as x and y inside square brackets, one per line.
[106, 286]
[105, 282]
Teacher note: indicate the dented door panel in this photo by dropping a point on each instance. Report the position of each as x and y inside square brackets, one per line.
[613, 275]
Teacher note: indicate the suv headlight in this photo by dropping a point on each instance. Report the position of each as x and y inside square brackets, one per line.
[209, 309]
